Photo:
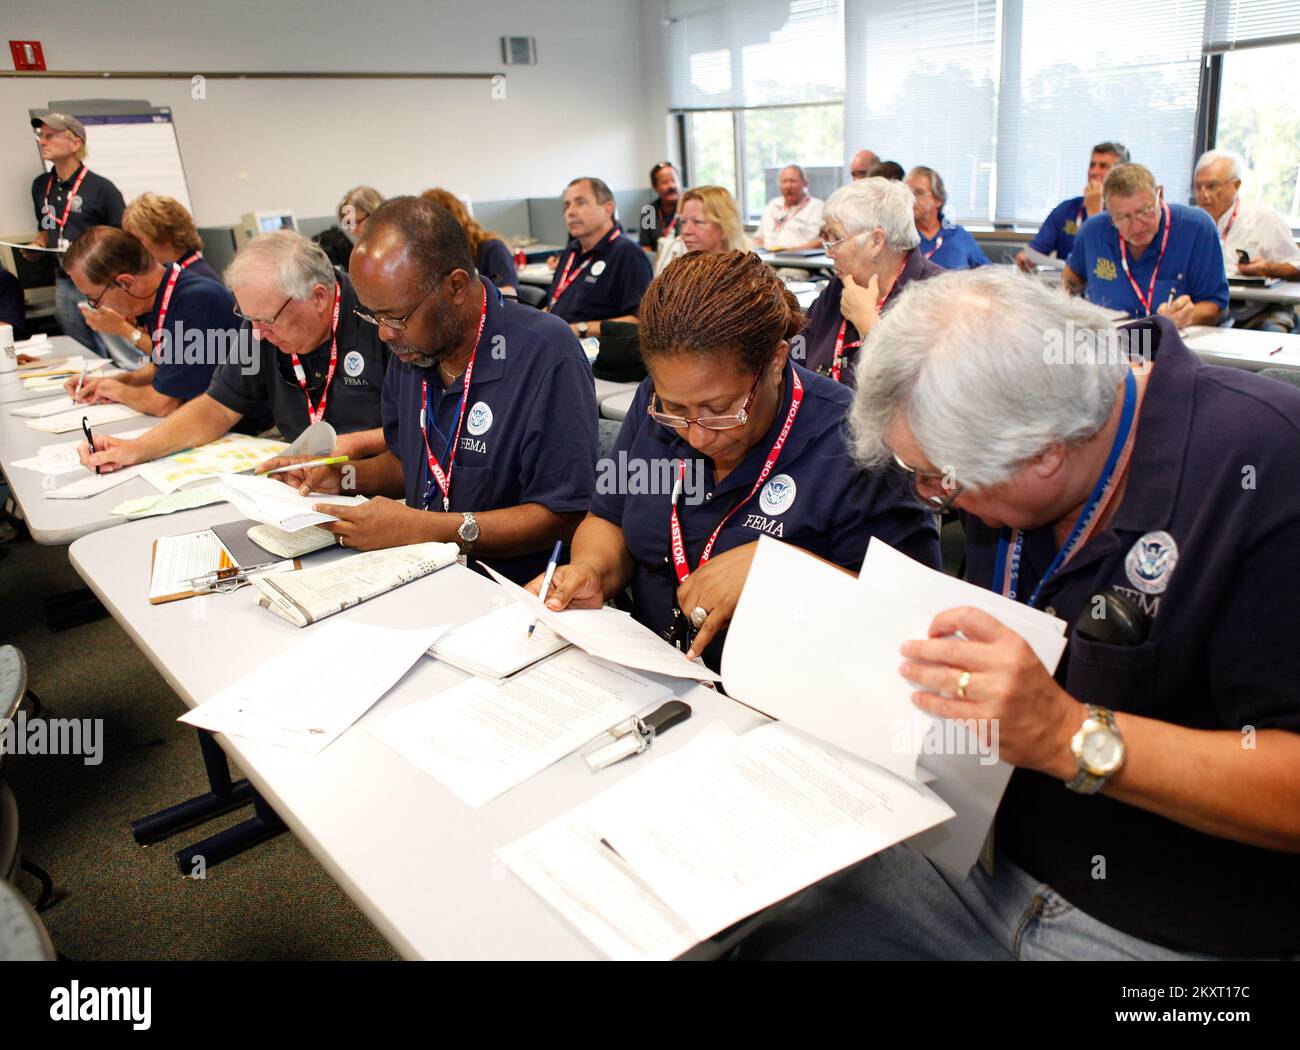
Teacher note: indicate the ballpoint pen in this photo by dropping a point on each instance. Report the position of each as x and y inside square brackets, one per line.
[90, 438]
[77, 393]
[546, 581]
[233, 577]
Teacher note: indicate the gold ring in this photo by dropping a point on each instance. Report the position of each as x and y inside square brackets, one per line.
[962, 683]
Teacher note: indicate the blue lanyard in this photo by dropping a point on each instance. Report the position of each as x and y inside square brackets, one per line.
[1089, 510]
[447, 438]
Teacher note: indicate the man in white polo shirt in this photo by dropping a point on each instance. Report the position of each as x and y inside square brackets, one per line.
[792, 221]
[1255, 229]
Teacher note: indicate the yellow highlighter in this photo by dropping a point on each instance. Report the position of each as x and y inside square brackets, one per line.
[310, 463]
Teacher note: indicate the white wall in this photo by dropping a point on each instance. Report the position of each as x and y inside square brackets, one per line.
[583, 109]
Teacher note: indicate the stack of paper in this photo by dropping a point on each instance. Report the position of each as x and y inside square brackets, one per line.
[53, 460]
[95, 415]
[480, 739]
[92, 484]
[306, 697]
[54, 376]
[497, 644]
[845, 687]
[229, 454]
[274, 503]
[716, 831]
[610, 635]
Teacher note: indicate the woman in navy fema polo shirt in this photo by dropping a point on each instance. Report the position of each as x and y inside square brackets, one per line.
[727, 440]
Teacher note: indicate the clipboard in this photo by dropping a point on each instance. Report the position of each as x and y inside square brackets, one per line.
[228, 559]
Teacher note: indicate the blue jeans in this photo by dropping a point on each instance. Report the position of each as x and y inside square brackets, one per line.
[69, 317]
[898, 905]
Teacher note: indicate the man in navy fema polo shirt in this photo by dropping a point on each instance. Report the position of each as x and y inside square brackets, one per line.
[188, 319]
[1145, 256]
[1057, 233]
[602, 274]
[489, 411]
[297, 362]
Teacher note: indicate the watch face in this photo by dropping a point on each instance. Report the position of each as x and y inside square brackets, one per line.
[1101, 751]
[468, 531]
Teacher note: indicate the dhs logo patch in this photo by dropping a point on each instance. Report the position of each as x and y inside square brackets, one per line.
[480, 419]
[354, 364]
[778, 495]
[1105, 269]
[598, 267]
[1150, 562]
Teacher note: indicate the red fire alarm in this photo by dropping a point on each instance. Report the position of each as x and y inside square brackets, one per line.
[27, 54]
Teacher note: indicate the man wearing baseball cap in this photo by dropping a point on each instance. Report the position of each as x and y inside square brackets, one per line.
[68, 200]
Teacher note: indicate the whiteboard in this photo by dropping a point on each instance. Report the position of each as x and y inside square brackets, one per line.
[137, 153]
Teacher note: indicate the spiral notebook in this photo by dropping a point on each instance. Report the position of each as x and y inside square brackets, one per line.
[496, 645]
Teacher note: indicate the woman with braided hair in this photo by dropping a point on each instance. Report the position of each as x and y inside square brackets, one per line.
[727, 440]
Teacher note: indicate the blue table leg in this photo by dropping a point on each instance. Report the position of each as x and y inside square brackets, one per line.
[223, 797]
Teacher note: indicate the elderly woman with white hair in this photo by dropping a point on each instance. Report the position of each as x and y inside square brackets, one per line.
[1147, 500]
[872, 241]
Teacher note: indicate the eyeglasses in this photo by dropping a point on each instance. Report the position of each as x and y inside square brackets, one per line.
[398, 324]
[919, 480]
[707, 422]
[829, 246]
[94, 303]
[1141, 215]
[258, 321]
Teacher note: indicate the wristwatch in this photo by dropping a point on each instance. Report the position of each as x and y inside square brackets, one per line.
[1098, 751]
[582, 329]
[136, 336]
[468, 533]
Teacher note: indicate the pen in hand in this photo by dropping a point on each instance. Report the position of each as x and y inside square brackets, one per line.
[546, 581]
[90, 438]
[81, 379]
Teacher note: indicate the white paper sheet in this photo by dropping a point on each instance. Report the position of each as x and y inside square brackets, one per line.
[53, 407]
[845, 687]
[274, 503]
[92, 484]
[95, 415]
[723, 828]
[62, 458]
[497, 644]
[611, 635]
[722, 839]
[481, 738]
[308, 696]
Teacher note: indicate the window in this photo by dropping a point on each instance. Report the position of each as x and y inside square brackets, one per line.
[1261, 121]
[711, 142]
[810, 136]
[760, 83]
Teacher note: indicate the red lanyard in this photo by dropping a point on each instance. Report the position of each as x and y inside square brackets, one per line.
[1151, 288]
[679, 547]
[72, 193]
[166, 302]
[1078, 219]
[790, 214]
[937, 245]
[189, 261]
[668, 230]
[1235, 205]
[566, 280]
[837, 361]
[435, 468]
[317, 413]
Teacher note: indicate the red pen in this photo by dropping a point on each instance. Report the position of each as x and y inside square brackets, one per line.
[1271, 353]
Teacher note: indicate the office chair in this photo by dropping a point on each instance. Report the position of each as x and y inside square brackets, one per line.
[531, 295]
